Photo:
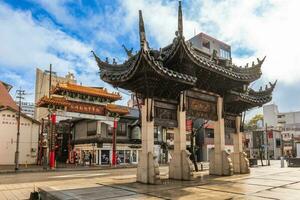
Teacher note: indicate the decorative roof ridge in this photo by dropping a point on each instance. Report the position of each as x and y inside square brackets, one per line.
[157, 64]
[86, 90]
[117, 109]
[261, 96]
[180, 21]
[105, 65]
[53, 99]
[142, 32]
[267, 91]
[254, 67]
[250, 98]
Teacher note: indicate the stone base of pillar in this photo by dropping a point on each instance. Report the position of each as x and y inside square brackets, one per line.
[244, 165]
[148, 169]
[181, 167]
[240, 163]
[222, 165]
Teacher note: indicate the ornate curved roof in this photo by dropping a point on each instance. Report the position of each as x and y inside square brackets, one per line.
[124, 72]
[182, 66]
[97, 92]
[237, 102]
[166, 63]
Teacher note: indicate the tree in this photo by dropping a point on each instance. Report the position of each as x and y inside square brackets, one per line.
[252, 124]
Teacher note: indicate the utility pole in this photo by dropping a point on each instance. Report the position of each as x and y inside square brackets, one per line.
[20, 94]
[50, 80]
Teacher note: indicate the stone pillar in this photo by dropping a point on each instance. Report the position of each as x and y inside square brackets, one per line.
[148, 169]
[240, 161]
[181, 167]
[220, 162]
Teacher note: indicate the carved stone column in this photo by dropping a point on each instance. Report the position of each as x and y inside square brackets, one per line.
[181, 167]
[220, 161]
[148, 168]
[240, 161]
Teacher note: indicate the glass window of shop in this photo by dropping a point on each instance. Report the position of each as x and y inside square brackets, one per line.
[134, 156]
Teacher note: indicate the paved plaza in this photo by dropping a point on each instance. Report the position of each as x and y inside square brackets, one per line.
[263, 183]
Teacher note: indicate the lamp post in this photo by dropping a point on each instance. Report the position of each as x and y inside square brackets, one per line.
[52, 139]
[114, 141]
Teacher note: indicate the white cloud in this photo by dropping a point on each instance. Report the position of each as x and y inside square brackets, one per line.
[27, 44]
[160, 19]
[268, 28]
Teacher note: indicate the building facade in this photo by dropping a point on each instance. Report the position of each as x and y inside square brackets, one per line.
[29, 131]
[28, 143]
[96, 137]
[85, 112]
[27, 108]
[42, 88]
[288, 123]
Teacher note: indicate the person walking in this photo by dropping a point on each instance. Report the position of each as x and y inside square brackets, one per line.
[90, 158]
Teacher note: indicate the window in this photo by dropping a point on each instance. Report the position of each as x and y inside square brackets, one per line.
[206, 44]
[224, 54]
[122, 129]
[134, 155]
[127, 156]
[91, 128]
[278, 143]
[3, 115]
[109, 130]
[120, 156]
[8, 115]
[209, 132]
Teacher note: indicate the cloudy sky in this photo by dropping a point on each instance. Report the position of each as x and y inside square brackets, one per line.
[35, 33]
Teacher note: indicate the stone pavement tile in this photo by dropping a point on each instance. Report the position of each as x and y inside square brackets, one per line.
[2, 187]
[136, 197]
[2, 197]
[279, 193]
[280, 177]
[19, 194]
[81, 192]
[265, 182]
[295, 186]
[238, 188]
[9, 195]
[193, 193]
[248, 197]
[166, 185]
[227, 178]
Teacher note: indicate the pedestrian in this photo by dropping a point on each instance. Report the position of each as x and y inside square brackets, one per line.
[90, 158]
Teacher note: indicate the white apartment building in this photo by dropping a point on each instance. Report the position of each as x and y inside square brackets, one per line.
[27, 108]
[287, 122]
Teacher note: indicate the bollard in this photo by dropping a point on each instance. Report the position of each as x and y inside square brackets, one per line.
[282, 161]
